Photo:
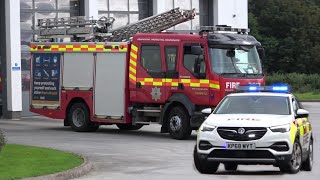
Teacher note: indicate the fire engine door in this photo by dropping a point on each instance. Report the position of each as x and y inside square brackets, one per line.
[150, 85]
[193, 77]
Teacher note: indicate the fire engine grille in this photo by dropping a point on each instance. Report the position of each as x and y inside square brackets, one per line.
[249, 133]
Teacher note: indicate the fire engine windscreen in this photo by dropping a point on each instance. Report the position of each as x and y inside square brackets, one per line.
[235, 61]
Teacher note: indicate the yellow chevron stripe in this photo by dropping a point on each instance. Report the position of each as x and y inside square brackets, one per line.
[132, 77]
[135, 48]
[133, 62]
[133, 70]
[133, 55]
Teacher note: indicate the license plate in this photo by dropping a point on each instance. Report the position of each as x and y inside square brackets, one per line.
[243, 146]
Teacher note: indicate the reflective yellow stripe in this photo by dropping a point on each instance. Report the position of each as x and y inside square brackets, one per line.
[157, 83]
[133, 70]
[97, 46]
[204, 81]
[308, 127]
[132, 77]
[135, 48]
[133, 62]
[133, 55]
[194, 84]
[185, 80]
[148, 79]
[293, 131]
[215, 86]
[175, 84]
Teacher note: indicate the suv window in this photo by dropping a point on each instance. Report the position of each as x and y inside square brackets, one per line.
[191, 61]
[151, 58]
[296, 105]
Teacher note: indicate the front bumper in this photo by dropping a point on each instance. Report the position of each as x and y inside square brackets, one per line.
[246, 157]
[268, 149]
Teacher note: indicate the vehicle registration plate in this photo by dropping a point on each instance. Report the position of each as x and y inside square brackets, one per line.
[243, 146]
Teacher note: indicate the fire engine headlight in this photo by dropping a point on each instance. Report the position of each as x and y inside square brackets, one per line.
[282, 128]
[207, 127]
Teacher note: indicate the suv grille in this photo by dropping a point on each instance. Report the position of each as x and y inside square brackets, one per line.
[250, 133]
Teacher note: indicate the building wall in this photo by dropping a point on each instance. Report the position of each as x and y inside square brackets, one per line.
[30, 11]
[124, 11]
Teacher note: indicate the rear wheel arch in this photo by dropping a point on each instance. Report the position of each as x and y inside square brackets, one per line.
[80, 103]
[73, 101]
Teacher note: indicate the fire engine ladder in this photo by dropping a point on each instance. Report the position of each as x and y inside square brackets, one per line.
[153, 24]
[100, 30]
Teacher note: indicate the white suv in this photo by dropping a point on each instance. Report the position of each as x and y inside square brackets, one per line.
[255, 128]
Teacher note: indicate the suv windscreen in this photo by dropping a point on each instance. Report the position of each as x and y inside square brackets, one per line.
[254, 105]
[235, 61]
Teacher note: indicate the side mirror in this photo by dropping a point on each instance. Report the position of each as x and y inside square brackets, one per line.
[261, 52]
[302, 113]
[196, 50]
[206, 111]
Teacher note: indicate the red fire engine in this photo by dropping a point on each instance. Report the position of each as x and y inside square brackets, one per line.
[135, 75]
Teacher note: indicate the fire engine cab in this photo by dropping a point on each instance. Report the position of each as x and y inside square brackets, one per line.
[137, 75]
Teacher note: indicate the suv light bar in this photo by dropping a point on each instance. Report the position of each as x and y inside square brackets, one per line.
[255, 88]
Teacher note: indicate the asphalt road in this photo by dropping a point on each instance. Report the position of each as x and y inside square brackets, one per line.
[143, 154]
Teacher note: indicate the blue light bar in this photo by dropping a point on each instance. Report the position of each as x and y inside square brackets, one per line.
[280, 88]
[253, 88]
[274, 88]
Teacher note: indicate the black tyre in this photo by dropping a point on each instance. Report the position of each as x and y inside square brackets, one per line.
[79, 118]
[295, 164]
[128, 127]
[202, 165]
[230, 166]
[307, 165]
[179, 123]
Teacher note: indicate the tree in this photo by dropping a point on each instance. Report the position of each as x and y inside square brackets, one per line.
[290, 32]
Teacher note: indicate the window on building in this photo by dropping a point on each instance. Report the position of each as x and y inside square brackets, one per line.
[151, 58]
[171, 57]
[125, 11]
[195, 64]
[30, 12]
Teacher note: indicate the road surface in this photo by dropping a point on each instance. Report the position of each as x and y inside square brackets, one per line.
[142, 154]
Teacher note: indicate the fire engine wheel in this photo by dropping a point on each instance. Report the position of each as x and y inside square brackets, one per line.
[79, 118]
[179, 123]
[128, 127]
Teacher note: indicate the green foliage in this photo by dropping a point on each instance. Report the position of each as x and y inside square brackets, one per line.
[299, 83]
[2, 140]
[17, 161]
[290, 32]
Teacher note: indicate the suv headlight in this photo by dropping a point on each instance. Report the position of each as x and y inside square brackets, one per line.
[282, 128]
[207, 127]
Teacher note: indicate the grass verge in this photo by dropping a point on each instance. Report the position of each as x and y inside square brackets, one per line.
[17, 161]
[307, 96]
